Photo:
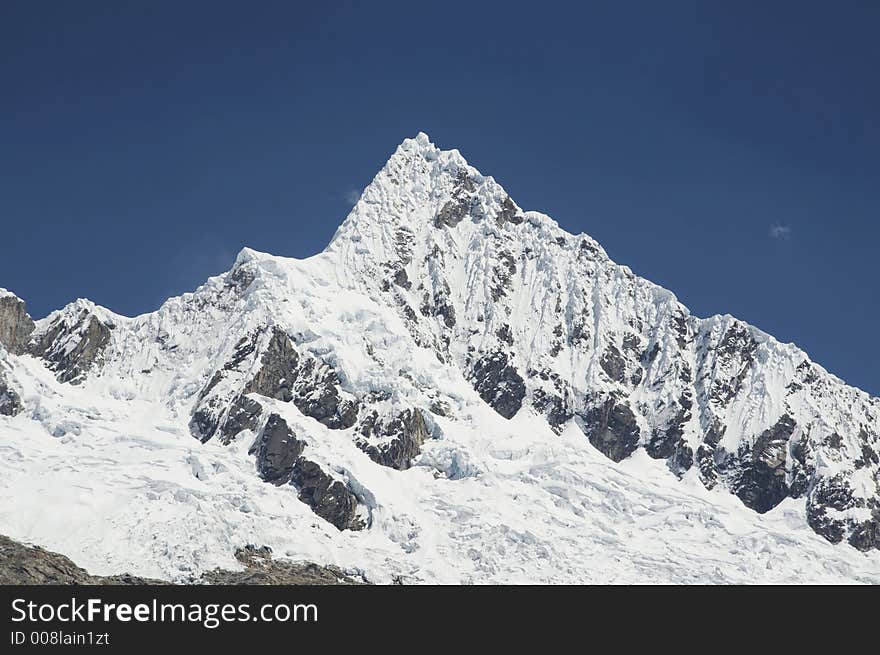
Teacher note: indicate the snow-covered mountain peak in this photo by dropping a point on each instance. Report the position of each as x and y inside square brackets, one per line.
[449, 344]
[246, 255]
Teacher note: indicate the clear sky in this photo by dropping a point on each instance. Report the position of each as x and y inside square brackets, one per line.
[729, 151]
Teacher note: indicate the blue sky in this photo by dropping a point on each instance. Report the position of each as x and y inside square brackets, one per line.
[728, 151]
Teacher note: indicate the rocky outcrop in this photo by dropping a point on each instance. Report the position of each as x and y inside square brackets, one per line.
[277, 450]
[498, 383]
[32, 565]
[10, 402]
[15, 324]
[758, 473]
[278, 372]
[396, 442]
[328, 497]
[279, 461]
[21, 564]
[282, 373]
[612, 428]
[215, 416]
[455, 210]
[317, 394]
[262, 569]
[72, 344]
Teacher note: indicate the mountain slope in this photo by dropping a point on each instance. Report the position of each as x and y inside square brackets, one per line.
[454, 390]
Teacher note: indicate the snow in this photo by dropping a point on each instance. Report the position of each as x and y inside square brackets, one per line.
[107, 473]
[124, 488]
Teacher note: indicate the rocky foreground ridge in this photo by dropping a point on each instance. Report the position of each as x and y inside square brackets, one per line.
[22, 564]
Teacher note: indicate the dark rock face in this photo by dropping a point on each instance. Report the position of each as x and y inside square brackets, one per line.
[509, 213]
[15, 324]
[611, 427]
[215, 417]
[261, 569]
[285, 375]
[802, 467]
[316, 394]
[667, 442]
[866, 536]
[280, 461]
[439, 305]
[461, 204]
[279, 369]
[401, 279]
[72, 349]
[553, 407]
[828, 493]
[277, 450]
[736, 351]
[707, 455]
[453, 212]
[401, 438]
[10, 402]
[758, 475]
[32, 565]
[613, 364]
[244, 414]
[682, 459]
[329, 498]
[498, 383]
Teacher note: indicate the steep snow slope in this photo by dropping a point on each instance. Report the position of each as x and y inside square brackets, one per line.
[455, 390]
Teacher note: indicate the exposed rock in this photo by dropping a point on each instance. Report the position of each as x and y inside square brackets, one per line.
[453, 212]
[21, 564]
[611, 427]
[682, 459]
[215, 416]
[553, 407]
[316, 393]
[802, 467]
[240, 278]
[32, 565]
[498, 383]
[261, 569]
[866, 536]
[705, 461]
[284, 374]
[460, 206]
[71, 346]
[278, 371]
[439, 408]
[277, 450]
[15, 324]
[244, 414]
[509, 213]
[401, 438]
[667, 441]
[401, 279]
[329, 498]
[613, 364]
[828, 493]
[758, 473]
[736, 352]
[10, 402]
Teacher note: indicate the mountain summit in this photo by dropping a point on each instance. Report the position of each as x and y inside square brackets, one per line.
[454, 390]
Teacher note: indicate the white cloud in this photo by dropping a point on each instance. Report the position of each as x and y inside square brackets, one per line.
[352, 196]
[780, 231]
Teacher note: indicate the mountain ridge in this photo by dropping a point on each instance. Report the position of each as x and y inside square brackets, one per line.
[439, 296]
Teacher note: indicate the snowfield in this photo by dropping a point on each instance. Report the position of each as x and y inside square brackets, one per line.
[434, 279]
